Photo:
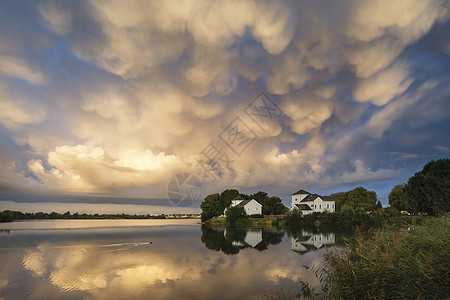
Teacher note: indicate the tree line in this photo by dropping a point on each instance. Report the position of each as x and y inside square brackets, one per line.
[10, 215]
[214, 205]
[356, 200]
[427, 191]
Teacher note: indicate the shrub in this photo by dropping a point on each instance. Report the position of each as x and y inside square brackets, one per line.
[241, 222]
[294, 218]
[256, 216]
[235, 213]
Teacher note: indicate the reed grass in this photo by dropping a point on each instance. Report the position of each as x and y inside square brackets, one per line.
[410, 263]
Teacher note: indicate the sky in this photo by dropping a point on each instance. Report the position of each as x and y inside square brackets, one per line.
[149, 106]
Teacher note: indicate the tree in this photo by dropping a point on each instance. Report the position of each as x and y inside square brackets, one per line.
[396, 197]
[379, 205]
[273, 206]
[228, 195]
[428, 191]
[214, 205]
[260, 197]
[6, 216]
[358, 199]
[211, 207]
[235, 213]
[270, 205]
[294, 218]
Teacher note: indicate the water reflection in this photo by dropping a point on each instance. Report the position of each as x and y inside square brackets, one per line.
[309, 241]
[182, 262]
[311, 238]
[231, 241]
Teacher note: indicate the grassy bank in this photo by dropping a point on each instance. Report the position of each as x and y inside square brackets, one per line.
[390, 263]
[348, 218]
[248, 222]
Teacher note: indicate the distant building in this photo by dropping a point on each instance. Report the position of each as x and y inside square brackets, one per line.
[251, 207]
[309, 203]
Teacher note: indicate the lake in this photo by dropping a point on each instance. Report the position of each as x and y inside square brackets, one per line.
[153, 259]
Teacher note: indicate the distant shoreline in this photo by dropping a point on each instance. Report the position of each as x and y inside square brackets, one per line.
[11, 216]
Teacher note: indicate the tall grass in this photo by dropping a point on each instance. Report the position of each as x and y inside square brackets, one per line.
[412, 263]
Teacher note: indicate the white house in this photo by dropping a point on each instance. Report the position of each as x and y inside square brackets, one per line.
[251, 207]
[309, 203]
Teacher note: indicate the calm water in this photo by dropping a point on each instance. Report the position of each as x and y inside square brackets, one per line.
[152, 259]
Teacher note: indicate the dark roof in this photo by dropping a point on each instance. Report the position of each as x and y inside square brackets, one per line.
[303, 238]
[314, 196]
[310, 198]
[303, 206]
[243, 202]
[301, 192]
[238, 198]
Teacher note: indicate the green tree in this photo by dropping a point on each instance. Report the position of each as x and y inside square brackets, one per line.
[6, 216]
[211, 207]
[235, 213]
[379, 205]
[260, 197]
[270, 205]
[245, 196]
[428, 191]
[294, 218]
[359, 199]
[396, 197]
[228, 195]
[273, 206]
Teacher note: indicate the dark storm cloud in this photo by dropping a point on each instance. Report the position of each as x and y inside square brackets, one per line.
[107, 97]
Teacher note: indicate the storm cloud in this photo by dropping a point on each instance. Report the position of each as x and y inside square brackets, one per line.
[116, 97]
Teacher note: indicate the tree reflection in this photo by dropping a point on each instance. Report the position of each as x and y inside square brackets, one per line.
[231, 241]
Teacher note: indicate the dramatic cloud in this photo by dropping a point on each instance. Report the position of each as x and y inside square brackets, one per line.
[113, 97]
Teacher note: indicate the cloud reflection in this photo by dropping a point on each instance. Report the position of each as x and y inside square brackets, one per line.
[169, 268]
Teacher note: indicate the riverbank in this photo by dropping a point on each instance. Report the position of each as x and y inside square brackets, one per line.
[249, 222]
[294, 219]
[410, 262]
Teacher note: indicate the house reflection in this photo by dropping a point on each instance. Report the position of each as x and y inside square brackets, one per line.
[252, 238]
[231, 241]
[307, 241]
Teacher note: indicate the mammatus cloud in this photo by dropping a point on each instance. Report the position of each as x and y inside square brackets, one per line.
[101, 96]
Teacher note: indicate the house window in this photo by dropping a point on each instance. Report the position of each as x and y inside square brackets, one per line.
[332, 205]
[328, 206]
[320, 206]
[314, 206]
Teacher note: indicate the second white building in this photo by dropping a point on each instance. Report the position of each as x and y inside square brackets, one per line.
[309, 203]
